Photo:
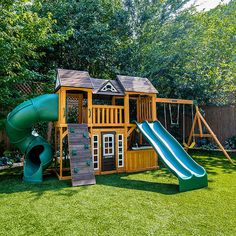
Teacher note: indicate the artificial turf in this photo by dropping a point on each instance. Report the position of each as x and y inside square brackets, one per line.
[145, 203]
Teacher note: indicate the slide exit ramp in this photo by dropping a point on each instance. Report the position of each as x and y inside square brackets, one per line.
[190, 174]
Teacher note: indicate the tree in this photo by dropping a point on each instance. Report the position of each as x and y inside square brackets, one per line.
[192, 54]
[23, 34]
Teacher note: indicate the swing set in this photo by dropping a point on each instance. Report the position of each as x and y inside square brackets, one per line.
[197, 120]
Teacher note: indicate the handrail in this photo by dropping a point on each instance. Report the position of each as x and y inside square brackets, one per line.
[107, 106]
[105, 115]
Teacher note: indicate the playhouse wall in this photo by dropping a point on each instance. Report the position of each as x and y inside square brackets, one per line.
[98, 132]
[141, 160]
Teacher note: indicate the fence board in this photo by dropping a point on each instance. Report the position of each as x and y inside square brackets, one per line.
[222, 120]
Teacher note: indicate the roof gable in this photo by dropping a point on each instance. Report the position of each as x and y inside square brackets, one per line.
[108, 86]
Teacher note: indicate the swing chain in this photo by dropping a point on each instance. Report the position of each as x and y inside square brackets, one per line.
[171, 116]
[165, 116]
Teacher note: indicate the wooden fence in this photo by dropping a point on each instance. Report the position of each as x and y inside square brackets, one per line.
[222, 120]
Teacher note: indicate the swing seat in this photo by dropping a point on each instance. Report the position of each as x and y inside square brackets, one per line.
[190, 146]
[174, 125]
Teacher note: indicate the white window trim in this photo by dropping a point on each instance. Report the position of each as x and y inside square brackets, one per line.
[113, 142]
[122, 150]
[97, 148]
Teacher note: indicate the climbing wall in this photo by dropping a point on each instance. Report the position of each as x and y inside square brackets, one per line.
[81, 164]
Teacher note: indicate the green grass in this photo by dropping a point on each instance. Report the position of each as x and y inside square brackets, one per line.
[127, 204]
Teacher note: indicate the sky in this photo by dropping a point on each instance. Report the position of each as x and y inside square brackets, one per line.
[207, 4]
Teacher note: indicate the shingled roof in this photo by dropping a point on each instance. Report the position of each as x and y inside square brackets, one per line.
[136, 84]
[73, 78]
[82, 79]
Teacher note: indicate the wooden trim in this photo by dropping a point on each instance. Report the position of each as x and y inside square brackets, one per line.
[64, 134]
[140, 93]
[73, 95]
[76, 89]
[61, 125]
[174, 101]
[108, 172]
[131, 130]
[143, 169]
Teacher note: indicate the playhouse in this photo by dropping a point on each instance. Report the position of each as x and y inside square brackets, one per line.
[108, 107]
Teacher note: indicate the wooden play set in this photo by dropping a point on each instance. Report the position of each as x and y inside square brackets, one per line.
[108, 108]
[104, 127]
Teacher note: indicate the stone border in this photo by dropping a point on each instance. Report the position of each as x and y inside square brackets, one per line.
[13, 166]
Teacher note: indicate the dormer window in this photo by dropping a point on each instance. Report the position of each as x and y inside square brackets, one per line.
[108, 87]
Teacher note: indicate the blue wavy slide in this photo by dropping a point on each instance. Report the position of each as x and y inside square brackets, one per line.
[190, 174]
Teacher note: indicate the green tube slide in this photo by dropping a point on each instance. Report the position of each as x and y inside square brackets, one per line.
[190, 174]
[38, 153]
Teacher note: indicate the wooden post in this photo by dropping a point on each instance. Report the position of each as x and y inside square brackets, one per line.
[89, 111]
[55, 146]
[126, 111]
[62, 106]
[61, 152]
[199, 122]
[192, 131]
[80, 108]
[154, 108]
[113, 100]
[214, 137]
[127, 121]
[138, 109]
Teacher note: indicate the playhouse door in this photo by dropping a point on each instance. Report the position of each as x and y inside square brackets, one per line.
[108, 152]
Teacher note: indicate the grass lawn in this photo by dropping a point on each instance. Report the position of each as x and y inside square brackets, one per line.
[126, 204]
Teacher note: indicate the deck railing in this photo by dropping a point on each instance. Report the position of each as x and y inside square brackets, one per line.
[145, 110]
[103, 115]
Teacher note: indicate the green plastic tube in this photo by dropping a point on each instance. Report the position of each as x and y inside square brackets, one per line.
[38, 153]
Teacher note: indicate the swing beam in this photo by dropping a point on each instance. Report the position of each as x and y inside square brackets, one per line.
[175, 101]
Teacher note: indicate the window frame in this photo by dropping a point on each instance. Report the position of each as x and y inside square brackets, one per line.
[122, 150]
[104, 144]
[93, 149]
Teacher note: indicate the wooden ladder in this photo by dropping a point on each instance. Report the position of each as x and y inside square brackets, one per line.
[81, 164]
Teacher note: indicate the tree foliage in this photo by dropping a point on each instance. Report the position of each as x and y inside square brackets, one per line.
[23, 35]
[185, 53]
